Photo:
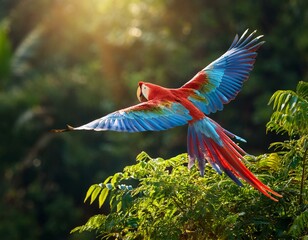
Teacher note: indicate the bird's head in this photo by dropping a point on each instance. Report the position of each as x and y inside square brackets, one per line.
[143, 92]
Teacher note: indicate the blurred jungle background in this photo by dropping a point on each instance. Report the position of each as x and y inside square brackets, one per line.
[74, 61]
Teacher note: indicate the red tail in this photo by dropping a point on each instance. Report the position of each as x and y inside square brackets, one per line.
[207, 140]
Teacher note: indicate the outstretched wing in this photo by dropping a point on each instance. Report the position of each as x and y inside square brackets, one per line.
[147, 116]
[220, 81]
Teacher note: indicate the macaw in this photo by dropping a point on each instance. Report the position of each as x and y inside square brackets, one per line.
[162, 108]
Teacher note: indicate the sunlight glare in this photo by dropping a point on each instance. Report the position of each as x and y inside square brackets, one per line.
[135, 32]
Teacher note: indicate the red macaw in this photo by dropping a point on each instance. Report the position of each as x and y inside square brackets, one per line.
[163, 108]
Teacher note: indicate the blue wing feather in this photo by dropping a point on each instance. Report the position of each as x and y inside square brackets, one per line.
[147, 116]
[220, 81]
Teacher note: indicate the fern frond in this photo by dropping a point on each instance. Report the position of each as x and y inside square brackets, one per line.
[271, 162]
[291, 111]
[302, 90]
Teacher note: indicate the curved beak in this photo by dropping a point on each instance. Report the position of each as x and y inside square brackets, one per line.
[139, 94]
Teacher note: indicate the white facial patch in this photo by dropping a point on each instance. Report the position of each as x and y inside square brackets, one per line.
[145, 91]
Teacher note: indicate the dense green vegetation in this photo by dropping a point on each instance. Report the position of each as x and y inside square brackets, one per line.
[162, 199]
[73, 61]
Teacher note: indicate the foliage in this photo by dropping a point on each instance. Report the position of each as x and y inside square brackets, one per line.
[291, 110]
[162, 199]
[73, 61]
[291, 117]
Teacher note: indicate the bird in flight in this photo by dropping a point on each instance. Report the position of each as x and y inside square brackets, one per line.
[162, 108]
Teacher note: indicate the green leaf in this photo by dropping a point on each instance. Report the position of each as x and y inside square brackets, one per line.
[293, 102]
[102, 197]
[89, 192]
[143, 156]
[271, 161]
[115, 178]
[95, 193]
[302, 90]
[108, 179]
[119, 206]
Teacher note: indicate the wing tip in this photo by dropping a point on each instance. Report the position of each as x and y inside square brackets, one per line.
[246, 31]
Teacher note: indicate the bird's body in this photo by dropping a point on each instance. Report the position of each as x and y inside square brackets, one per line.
[163, 108]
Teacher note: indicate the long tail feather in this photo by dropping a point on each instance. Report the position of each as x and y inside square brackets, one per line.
[208, 141]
